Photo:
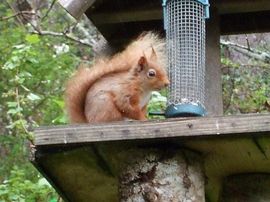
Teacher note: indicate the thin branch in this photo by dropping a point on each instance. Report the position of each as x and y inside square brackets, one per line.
[232, 87]
[68, 36]
[21, 117]
[248, 44]
[37, 29]
[21, 13]
[70, 27]
[19, 21]
[250, 52]
[49, 10]
[61, 34]
[262, 66]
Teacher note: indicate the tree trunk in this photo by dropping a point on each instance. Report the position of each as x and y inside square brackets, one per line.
[162, 176]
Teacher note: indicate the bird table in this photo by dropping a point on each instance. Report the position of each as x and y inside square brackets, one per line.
[211, 158]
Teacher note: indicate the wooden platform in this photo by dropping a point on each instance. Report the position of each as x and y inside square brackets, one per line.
[82, 161]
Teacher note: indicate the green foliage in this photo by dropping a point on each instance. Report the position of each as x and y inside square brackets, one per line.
[33, 71]
[18, 188]
[245, 88]
[157, 104]
[19, 181]
[33, 79]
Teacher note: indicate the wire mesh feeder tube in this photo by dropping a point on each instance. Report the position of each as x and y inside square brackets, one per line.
[184, 22]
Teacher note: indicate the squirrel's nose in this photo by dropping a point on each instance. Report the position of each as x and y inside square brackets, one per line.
[166, 84]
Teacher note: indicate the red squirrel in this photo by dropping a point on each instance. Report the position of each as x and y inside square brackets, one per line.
[119, 87]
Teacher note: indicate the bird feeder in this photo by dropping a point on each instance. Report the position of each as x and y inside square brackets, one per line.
[184, 22]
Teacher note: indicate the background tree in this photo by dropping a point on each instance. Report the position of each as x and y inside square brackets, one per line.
[246, 73]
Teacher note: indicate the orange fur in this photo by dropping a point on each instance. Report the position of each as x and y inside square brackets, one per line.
[115, 88]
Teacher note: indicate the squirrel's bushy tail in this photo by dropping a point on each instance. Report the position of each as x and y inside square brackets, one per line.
[78, 86]
[144, 45]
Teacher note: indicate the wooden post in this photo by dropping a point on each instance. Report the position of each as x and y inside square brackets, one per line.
[162, 176]
[76, 8]
[246, 188]
[213, 83]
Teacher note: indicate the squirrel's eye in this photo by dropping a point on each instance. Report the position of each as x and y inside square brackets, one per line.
[151, 73]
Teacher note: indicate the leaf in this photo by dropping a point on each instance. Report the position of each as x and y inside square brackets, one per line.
[62, 119]
[157, 97]
[32, 38]
[12, 104]
[25, 74]
[14, 111]
[33, 60]
[20, 80]
[33, 97]
[43, 182]
[9, 65]
[21, 46]
[53, 200]
[25, 88]
[59, 102]
[4, 191]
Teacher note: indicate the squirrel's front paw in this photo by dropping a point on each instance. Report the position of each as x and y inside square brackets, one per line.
[143, 118]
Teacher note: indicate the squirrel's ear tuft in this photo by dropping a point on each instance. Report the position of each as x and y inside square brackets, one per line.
[142, 63]
[153, 54]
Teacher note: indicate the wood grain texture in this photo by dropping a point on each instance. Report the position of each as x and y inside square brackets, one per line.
[193, 127]
[76, 8]
[127, 16]
[213, 83]
[106, 12]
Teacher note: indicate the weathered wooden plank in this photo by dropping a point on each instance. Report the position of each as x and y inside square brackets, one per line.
[127, 13]
[76, 8]
[128, 20]
[78, 175]
[127, 16]
[194, 127]
[242, 6]
[238, 23]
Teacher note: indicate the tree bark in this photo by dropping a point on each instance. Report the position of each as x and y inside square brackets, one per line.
[162, 176]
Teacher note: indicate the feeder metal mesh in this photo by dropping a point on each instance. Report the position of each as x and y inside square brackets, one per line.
[185, 35]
